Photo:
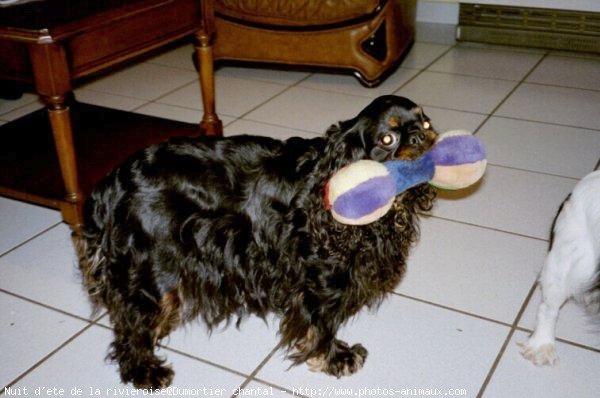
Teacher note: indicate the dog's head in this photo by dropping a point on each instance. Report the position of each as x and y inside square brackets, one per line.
[390, 127]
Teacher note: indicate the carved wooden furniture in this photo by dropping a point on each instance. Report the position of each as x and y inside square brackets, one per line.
[51, 44]
[368, 37]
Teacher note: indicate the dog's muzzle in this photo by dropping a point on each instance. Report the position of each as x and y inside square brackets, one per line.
[416, 144]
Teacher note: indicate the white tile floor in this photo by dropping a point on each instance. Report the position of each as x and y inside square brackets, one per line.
[469, 296]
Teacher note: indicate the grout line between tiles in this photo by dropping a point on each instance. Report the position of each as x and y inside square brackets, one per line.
[507, 341]
[461, 110]
[594, 90]
[248, 378]
[187, 108]
[545, 123]
[18, 107]
[500, 48]
[297, 83]
[137, 108]
[424, 68]
[235, 117]
[198, 359]
[571, 343]
[446, 108]
[47, 356]
[574, 54]
[278, 388]
[283, 82]
[308, 76]
[519, 84]
[153, 100]
[182, 85]
[459, 311]
[179, 68]
[487, 228]
[544, 55]
[514, 326]
[562, 340]
[30, 239]
[532, 171]
[252, 375]
[287, 88]
[49, 307]
[109, 93]
[439, 72]
[279, 125]
[226, 124]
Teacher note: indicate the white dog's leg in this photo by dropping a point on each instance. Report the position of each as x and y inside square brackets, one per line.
[569, 268]
[540, 346]
[555, 285]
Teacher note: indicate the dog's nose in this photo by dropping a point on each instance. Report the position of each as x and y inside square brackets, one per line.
[416, 138]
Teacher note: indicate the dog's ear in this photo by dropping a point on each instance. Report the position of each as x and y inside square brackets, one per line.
[356, 128]
[353, 132]
[344, 127]
[350, 124]
[345, 144]
[363, 135]
[333, 130]
[423, 118]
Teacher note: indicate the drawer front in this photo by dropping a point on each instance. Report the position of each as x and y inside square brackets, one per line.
[126, 36]
[14, 61]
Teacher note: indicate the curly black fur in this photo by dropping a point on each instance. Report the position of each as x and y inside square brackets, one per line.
[220, 228]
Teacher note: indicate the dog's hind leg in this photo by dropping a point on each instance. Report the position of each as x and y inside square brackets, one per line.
[138, 328]
[540, 349]
[569, 267]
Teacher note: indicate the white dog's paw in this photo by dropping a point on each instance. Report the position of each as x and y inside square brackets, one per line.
[542, 355]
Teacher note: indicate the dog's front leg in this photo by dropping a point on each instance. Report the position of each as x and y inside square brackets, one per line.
[310, 329]
[340, 359]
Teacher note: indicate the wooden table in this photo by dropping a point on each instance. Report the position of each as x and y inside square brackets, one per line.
[51, 44]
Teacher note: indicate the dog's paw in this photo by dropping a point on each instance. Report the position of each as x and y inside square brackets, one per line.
[541, 355]
[344, 361]
[151, 377]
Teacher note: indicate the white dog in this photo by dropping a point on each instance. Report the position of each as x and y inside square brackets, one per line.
[572, 267]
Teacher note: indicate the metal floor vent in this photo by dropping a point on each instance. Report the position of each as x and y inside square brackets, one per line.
[530, 27]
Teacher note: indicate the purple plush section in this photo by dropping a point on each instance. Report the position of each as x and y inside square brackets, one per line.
[455, 150]
[365, 198]
[408, 173]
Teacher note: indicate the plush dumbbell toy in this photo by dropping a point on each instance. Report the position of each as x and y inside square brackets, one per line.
[364, 191]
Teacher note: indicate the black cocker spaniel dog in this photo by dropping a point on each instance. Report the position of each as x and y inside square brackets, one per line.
[221, 228]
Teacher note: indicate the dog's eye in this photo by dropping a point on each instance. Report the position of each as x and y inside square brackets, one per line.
[388, 140]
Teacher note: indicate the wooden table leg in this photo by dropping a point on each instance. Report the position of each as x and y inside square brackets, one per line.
[53, 83]
[210, 124]
[60, 122]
